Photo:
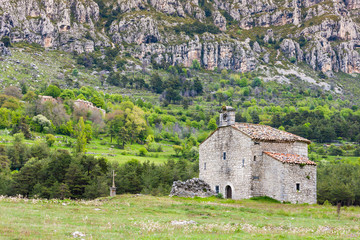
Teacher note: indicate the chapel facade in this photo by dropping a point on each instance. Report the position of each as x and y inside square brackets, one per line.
[243, 160]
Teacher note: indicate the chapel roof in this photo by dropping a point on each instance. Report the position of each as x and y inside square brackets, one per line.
[290, 158]
[266, 133]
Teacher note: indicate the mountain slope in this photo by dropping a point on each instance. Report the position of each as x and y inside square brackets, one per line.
[219, 34]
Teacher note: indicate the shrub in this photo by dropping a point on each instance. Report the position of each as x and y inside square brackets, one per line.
[293, 59]
[50, 139]
[143, 151]
[195, 65]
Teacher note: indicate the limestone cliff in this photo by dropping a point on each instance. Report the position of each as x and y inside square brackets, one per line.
[231, 34]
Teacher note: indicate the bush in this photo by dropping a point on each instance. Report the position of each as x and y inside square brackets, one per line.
[50, 139]
[196, 28]
[143, 151]
[293, 59]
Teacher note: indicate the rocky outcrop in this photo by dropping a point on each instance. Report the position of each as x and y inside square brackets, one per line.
[191, 188]
[292, 49]
[53, 24]
[147, 29]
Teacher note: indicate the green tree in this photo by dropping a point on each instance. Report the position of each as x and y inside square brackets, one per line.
[76, 179]
[40, 123]
[18, 152]
[98, 101]
[178, 149]
[53, 91]
[198, 86]
[50, 139]
[195, 65]
[6, 40]
[67, 94]
[80, 134]
[212, 124]
[156, 83]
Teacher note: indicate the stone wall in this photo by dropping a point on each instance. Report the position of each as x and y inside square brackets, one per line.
[233, 171]
[191, 188]
[278, 180]
[299, 148]
[88, 105]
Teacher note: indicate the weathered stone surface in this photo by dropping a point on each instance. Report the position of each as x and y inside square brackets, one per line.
[145, 29]
[191, 188]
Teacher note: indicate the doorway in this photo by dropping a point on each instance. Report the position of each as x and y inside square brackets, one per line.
[228, 192]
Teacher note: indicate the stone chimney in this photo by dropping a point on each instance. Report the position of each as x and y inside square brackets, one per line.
[227, 116]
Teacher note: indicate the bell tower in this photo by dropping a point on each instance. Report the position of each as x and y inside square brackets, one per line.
[227, 116]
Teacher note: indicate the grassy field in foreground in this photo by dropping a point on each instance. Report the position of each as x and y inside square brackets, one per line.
[147, 217]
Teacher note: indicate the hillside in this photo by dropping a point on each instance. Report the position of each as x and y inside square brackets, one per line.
[160, 70]
[145, 217]
[220, 34]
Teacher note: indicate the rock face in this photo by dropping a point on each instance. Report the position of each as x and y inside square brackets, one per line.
[52, 24]
[323, 34]
[191, 188]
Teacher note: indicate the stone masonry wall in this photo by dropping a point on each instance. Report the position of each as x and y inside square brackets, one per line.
[280, 179]
[232, 171]
[299, 148]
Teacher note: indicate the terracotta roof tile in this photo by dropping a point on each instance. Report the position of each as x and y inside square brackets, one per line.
[290, 158]
[267, 133]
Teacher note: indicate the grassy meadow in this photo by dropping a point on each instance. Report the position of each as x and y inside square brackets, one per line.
[147, 217]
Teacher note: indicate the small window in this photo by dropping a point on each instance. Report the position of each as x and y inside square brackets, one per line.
[256, 143]
[204, 166]
[298, 187]
[243, 163]
[217, 189]
[254, 158]
[224, 155]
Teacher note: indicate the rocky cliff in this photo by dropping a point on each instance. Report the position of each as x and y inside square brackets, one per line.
[219, 34]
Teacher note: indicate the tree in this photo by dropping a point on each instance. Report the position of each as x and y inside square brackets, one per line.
[18, 153]
[7, 41]
[53, 91]
[127, 125]
[212, 124]
[22, 127]
[40, 123]
[76, 179]
[28, 177]
[178, 149]
[30, 96]
[156, 83]
[198, 86]
[80, 137]
[97, 101]
[195, 65]
[50, 139]
[67, 94]
[256, 82]
[114, 79]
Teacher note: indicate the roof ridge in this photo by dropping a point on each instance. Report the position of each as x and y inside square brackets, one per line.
[290, 158]
[268, 133]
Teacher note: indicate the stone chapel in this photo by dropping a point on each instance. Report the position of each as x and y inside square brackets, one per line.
[244, 160]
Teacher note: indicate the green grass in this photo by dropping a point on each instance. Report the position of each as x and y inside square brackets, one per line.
[109, 151]
[146, 217]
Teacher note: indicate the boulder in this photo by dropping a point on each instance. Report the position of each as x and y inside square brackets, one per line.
[191, 188]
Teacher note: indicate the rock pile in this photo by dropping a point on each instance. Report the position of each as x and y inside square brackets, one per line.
[191, 188]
